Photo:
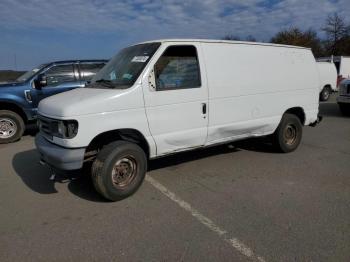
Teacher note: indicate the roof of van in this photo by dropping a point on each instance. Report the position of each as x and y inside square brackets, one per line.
[223, 41]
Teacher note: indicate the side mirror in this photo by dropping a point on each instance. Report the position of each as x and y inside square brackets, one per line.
[87, 83]
[41, 81]
[152, 80]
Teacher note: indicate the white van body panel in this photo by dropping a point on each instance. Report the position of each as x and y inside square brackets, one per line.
[247, 88]
[87, 101]
[250, 87]
[175, 116]
[98, 111]
[342, 64]
[344, 69]
[328, 75]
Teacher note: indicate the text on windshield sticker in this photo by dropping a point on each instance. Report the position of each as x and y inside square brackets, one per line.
[140, 59]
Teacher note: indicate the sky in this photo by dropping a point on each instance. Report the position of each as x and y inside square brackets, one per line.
[38, 31]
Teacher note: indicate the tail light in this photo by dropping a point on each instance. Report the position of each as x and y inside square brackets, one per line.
[339, 79]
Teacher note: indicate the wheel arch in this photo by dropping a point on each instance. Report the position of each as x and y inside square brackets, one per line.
[125, 134]
[298, 112]
[4, 105]
[329, 86]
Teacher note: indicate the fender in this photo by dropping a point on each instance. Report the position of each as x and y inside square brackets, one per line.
[11, 100]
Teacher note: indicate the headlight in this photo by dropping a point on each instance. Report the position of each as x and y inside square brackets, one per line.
[65, 128]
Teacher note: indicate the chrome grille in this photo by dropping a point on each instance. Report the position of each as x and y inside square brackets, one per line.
[46, 126]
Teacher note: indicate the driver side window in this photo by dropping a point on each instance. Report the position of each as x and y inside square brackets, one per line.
[60, 74]
[178, 68]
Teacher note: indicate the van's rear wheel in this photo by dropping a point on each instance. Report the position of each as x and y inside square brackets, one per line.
[325, 93]
[11, 126]
[287, 136]
[119, 169]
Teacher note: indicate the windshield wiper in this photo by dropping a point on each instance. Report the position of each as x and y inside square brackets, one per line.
[105, 82]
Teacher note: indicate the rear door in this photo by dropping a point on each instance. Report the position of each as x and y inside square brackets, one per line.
[176, 107]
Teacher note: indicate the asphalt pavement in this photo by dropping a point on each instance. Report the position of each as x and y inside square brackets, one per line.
[237, 202]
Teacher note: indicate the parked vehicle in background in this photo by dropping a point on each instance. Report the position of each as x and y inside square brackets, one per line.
[19, 99]
[342, 63]
[162, 97]
[328, 78]
[343, 99]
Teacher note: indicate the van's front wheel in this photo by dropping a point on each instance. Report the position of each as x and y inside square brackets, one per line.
[287, 136]
[119, 169]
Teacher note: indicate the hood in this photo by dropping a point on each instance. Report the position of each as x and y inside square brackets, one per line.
[10, 84]
[86, 101]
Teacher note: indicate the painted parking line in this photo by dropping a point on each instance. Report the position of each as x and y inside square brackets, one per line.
[232, 241]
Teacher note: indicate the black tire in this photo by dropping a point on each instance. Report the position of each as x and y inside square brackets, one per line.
[288, 134]
[131, 157]
[325, 94]
[11, 126]
[344, 109]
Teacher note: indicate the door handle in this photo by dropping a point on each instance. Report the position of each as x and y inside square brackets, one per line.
[204, 108]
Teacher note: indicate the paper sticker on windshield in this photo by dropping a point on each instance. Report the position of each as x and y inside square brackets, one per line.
[140, 59]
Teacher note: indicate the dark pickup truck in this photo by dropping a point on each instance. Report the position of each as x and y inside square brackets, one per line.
[19, 99]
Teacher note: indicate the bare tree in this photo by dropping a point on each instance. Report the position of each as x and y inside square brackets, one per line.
[337, 33]
[250, 38]
[231, 37]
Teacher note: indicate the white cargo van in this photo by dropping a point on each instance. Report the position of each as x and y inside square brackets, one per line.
[328, 78]
[342, 63]
[162, 97]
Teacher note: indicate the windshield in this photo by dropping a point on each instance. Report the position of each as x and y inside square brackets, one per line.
[123, 70]
[30, 73]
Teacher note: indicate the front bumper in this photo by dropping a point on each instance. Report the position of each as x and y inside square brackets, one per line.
[319, 120]
[59, 157]
[343, 99]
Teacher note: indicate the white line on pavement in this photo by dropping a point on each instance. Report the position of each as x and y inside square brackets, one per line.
[234, 242]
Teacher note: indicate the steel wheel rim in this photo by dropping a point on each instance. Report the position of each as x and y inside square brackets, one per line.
[290, 134]
[124, 172]
[326, 94]
[8, 128]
